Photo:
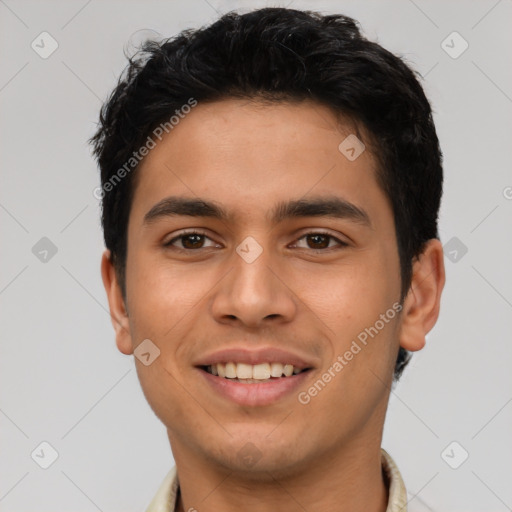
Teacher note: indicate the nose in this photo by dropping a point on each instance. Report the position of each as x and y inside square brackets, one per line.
[254, 294]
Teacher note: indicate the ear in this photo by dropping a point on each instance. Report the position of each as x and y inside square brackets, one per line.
[118, 312]
[421, 305]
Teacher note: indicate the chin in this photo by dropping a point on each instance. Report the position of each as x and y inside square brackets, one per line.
[260, 458]
[261, 468]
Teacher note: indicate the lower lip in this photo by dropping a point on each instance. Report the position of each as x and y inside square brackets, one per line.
[265, 393]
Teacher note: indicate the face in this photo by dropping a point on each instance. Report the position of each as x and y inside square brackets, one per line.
[287, 257]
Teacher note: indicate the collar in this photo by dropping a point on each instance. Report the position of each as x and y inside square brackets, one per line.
[165, 498]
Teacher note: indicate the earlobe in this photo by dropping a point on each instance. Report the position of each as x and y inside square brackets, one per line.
[421, 306]
[118, 312]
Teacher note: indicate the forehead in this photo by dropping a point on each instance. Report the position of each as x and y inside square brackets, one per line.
[251, 155]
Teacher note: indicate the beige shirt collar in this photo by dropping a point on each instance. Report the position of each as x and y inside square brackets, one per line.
[165, 498]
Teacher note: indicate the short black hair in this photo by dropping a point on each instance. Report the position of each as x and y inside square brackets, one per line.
[279, 54]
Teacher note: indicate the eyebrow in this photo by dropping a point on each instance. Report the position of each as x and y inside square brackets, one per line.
[330, 207]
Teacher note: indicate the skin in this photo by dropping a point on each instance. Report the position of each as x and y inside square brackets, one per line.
[248, 156]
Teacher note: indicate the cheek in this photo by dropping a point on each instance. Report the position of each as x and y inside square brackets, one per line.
[166, 393]
[168, 299]
[347, 295]
[162, 292]
[355, 300]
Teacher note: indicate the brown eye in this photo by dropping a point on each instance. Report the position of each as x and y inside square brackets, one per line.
[192, 241]
[319, 241]
[189, 241]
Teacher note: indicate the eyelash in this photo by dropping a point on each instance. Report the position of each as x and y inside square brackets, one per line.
[189, 233]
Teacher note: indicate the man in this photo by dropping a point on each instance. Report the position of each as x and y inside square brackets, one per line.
[270, 191]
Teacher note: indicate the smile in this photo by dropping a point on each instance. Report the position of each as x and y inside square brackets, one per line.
[253, 374]
[255, 392]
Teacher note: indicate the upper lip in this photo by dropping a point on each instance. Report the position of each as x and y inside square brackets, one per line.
[255, 356]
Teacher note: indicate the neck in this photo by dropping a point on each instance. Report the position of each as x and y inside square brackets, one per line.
[349, 479]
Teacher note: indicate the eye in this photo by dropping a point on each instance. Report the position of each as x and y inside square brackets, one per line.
[195, 240]
[321, 240]
[189, 240]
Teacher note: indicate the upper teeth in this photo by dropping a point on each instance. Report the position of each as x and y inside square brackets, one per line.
[261, 371]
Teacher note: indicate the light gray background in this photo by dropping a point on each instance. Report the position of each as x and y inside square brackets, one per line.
[62, 379]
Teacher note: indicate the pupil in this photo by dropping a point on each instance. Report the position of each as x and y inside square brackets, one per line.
[189, 237]
[316, 240]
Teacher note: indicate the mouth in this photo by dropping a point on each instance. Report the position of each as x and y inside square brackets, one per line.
[253, 373]
[262, 384]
